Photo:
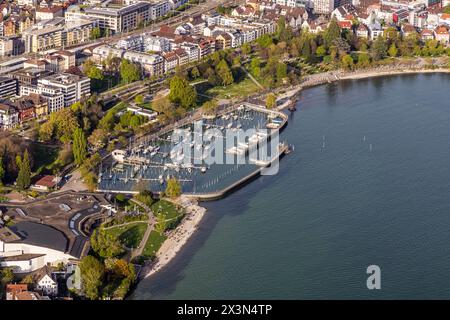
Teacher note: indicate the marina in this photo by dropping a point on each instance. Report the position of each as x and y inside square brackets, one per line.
[191, 153]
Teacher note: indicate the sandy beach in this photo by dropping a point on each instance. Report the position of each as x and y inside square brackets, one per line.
[178, 237]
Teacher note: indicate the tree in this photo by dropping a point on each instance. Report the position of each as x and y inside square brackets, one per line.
[321, 51]
[446, 9]
[98, 138]
[393, 51]
[363, 60]
[139, 99]
[96, 33]
[281, 28]
[210, 107]
[129, 71]
[281, 71]
[106, 245]
[92, 273]
[332, 32]
[379, 49]
[182, 93]
[195, 73]
[255, 67]
[246, 49]
[95, 73]
[24, 176]
[271, 100]
[2, 171]
[347, 62]
[173, 188]
[79, 147]
[161, 223]
[28, 279]
[224, 73]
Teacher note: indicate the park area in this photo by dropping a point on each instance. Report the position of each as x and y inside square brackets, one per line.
[130, 235]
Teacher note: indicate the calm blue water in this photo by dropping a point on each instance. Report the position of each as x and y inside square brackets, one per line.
[312, 230]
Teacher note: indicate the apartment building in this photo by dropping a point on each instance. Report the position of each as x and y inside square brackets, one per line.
[112, 18]
[323, 6]
[55, 34]
[73, 87]
[9, 117]
[8, 87]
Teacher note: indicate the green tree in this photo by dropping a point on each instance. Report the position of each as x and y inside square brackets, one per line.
[255, 67]
[246, 49]
[224, 73]
[24, 176]
[281, 71]
[379, 49]
[96, 33]
[139, 99]
[393, 51]
[195, 73]
[129, 71]
[363, 60]
[332, 32]
[106, 245]
[173, 188]
[95, 73]
[321, 51]
[347, 62]
[161, 223]
[182, 93]
[92, 273]
[446, 9]
[210, 107]
[79, 147]
[271, 100]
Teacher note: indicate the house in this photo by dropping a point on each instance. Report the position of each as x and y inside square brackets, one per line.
[46, 183]
[29, 295]
[441, 34]
[375, 30]
[45, 283]
[313, 26]
[183, 56]
[26, 110]
[243, 11]
[13, 289]
[408, 30]
[427, 34]
[49, 13]
[362, 31]
[345, 24]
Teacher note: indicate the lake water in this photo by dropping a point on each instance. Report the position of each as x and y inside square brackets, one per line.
[368, 183]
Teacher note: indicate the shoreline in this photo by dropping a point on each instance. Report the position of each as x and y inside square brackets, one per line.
[291, 93]
[178, 237]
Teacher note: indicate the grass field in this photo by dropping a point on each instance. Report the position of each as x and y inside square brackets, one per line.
[154, 242]
[243, 88]
[167, 208]
[130, 235]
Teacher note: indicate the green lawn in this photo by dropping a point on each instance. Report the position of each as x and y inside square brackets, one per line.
[243, 88]
[154, 242]
[130, 235]
[167, 208]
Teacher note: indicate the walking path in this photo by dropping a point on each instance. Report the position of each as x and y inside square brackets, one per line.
[252, 78]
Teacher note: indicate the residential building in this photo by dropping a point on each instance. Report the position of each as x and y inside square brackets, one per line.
[47, 13]
[30, 75]
[9, 118]
[170, 61]
[45, 283]
[8, 87]
[153, 64]
[441, 34]
[323, 6]
[14, 288]
[73, 87]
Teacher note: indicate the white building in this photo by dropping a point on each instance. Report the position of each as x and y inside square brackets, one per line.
[29, 246]
[323, 6]
[9, 117]
[73, 87]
